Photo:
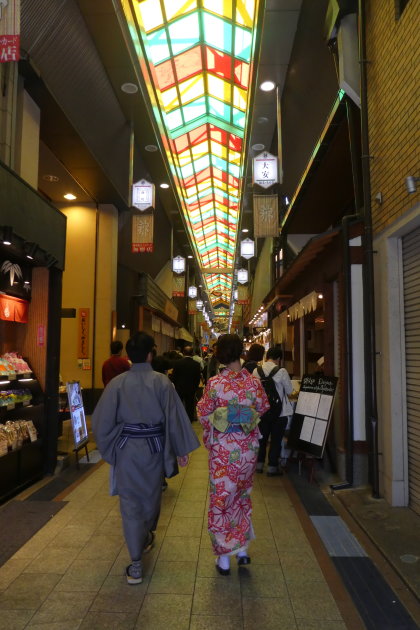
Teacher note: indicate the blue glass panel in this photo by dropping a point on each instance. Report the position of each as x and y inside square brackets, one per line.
[218, 108]
[174, 119]
[195, 109]
[238, 118]
[243, 42]
[184, 33]
[158, 46]
[217, 33]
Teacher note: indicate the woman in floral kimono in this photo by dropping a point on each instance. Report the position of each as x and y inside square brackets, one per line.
[229, 413]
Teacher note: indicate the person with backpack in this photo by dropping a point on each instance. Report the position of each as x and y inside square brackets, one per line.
[277, 386]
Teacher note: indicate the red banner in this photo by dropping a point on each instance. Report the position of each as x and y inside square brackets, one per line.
[13, 309]
[83, 333]
[9, 31]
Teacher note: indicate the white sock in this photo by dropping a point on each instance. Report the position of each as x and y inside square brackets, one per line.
[224, 562]
[242, 554]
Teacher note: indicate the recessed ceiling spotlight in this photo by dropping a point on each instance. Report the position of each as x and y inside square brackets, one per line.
[267, 86]
[258, 147]
[70, 196]
[51, 178]
[245, 230]
[189, 256]
[130, 88]
[164, 185]
[152, 148]
[261, 120]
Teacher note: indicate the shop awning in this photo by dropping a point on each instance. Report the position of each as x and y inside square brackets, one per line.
[182, 333]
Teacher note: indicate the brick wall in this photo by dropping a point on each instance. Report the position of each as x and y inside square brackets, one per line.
[393, 73]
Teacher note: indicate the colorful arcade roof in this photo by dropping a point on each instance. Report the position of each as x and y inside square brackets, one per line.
[198, 62]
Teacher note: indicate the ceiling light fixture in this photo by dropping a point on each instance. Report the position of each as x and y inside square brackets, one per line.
[129, 88]
[152, 148]
[30, 250]
[51, 178]
[267, 86]
[258, 146]
[70, 196]
[164, 185]
[245, 230]
[7, 235]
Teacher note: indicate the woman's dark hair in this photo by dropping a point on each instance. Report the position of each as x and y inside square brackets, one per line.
[275, 352]
[229, 348]
[139, 346]
[116, 347]
[255, 352]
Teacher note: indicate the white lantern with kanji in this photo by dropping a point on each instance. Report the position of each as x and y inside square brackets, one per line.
[247, 248]
[178, 264]
[242, 276]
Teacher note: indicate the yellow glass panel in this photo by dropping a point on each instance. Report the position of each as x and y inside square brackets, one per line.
[219, 88]
[170, 99]
[245, 10]
[176, 8]
[221, 7]
[149, 13]
[191, 89]
[234, 157]
[239, 98]
[219, 150]
[200, 149]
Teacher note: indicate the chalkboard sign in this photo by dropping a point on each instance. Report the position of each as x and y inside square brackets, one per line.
[311, 419]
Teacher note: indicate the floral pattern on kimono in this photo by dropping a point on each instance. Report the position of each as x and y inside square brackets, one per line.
[232, 460]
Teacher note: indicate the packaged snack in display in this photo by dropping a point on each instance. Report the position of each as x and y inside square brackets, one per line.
[3, 441]
[19, 364]
[32, 432]
[12, 436]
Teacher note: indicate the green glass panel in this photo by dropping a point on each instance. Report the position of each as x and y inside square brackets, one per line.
[158, 46]
[238, 118]
[184, 33]
[217, 32]
[174, 119]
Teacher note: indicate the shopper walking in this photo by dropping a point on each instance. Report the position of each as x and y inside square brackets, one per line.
[116, 364]
[140, 427]
[229, 413]
[278, 386]
[186, 378]
[254, 356]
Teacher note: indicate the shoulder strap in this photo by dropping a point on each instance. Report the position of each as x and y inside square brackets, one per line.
[274, 371]
[260, 371]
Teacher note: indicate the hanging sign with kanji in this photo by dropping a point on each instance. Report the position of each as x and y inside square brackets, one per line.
[142, 234]
[143, 194]
[9, 30]
[265, 170]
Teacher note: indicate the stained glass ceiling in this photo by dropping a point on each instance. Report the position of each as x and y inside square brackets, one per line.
[196, 58]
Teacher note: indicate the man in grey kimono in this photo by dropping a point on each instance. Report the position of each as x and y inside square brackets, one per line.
[140, 427]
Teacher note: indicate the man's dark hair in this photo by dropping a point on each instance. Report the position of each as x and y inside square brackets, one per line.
[116, 347]
[229, 348]
[188, 351]
[139, 346]
[255, 352]
[275, 352]
[161, 364]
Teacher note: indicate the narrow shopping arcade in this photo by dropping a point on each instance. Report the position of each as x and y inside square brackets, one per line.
[71, 573]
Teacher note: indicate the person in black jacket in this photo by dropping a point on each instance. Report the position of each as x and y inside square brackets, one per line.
[186, 378]
[254, 355]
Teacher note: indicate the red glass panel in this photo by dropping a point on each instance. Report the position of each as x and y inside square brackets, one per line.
[189, 63]
[165, 76]
[225, 139]
[241, 74]
[219, 63]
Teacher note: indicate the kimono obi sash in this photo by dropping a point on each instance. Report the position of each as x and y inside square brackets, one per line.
[234, 418]
[154, 434]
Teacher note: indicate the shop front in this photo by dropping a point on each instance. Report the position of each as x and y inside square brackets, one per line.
[32, 244]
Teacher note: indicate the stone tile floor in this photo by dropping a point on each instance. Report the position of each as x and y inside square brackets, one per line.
[70, 575]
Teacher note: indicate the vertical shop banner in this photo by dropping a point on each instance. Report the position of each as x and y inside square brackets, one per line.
[192, 308]
[178, 286]
[242, 294]
[83, 350]
[142, 234]
[9, 30]
[266, 215]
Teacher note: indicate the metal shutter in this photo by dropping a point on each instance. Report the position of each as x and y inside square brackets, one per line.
[411, 275]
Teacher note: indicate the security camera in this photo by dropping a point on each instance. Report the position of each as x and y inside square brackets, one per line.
[410, 183]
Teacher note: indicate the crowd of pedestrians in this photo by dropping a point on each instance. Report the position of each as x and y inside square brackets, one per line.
[143, 428]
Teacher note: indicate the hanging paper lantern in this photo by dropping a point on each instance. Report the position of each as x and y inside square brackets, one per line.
[178, 264]
[235, 294]
[199, 304]
[247, 248]
[192, 292]
[243, 276]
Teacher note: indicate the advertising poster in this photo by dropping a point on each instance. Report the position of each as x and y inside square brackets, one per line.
[77, 414]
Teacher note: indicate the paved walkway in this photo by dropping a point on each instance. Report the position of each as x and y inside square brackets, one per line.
[70, 575]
